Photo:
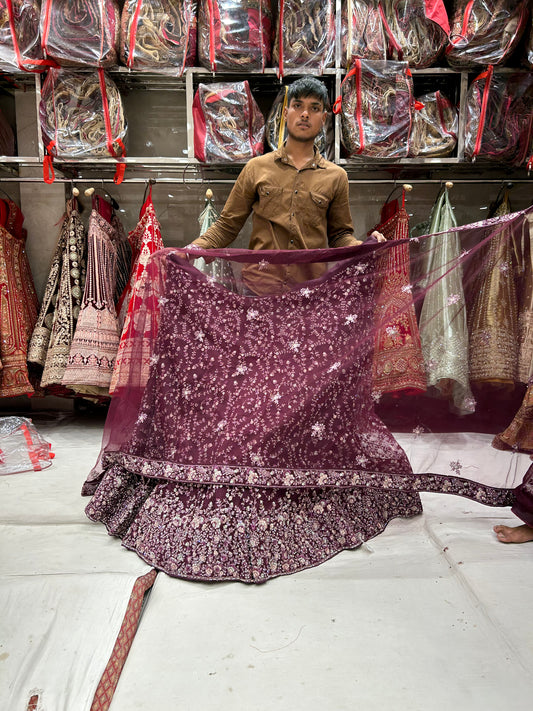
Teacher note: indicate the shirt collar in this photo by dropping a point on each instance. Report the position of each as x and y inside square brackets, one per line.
[318, 161]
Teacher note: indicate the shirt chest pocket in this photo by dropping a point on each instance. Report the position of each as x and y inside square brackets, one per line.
[270, 201]
[268, 193]
[319, 201]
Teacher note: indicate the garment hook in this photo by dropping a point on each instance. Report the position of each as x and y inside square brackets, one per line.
[149, 183]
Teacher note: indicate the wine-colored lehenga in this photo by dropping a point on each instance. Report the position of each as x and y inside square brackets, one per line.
[242, 441]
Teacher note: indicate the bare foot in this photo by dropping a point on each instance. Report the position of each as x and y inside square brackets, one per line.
[516, 534]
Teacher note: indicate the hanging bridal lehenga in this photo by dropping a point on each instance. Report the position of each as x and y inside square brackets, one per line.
[52, 337]
[398, 364]
[145, 239]
[443, 327]
[493, 319]
[95, 341]
[18, 303]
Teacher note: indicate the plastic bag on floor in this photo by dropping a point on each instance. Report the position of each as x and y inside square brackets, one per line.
[22, 448]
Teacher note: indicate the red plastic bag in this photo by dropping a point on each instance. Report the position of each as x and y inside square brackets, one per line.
[81, 115]
[234, 34]
[499, 117]
[158, 36]
[435, 126]
[228, 124]
[376, 107]
[417, 30]
[362, 31]
[485, 31]
[81, 33]
[305, 36]
[20, 39]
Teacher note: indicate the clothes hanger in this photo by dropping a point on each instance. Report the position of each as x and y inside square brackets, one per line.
[7, 195]
[406, 187]
[90, 191]
[149, 183]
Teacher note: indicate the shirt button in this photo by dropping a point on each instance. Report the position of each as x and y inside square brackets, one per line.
[295, 192]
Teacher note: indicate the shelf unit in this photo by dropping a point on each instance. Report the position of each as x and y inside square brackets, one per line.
[183, 88]
[175, 161]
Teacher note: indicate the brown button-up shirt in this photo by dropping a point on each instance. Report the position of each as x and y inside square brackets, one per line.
[292, 209]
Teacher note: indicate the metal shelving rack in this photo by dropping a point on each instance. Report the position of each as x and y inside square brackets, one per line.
[189, 169]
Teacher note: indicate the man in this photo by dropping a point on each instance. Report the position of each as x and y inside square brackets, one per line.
[298, 199]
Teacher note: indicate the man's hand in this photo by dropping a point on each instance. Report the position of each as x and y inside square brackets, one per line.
[377, 235]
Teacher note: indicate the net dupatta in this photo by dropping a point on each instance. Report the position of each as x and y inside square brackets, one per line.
[268, 383]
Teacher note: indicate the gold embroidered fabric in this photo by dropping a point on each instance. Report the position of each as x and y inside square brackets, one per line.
[493, 320]
[69, 297]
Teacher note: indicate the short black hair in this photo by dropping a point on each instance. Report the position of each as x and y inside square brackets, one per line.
[308, 86]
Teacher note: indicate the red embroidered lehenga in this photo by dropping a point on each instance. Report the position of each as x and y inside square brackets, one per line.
[145, 239]
[398, 362]
[18, 303]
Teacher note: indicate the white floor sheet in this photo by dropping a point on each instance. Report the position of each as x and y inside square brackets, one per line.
[433, 615]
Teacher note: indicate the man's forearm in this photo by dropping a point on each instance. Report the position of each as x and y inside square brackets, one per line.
[216, 237]
[345, 239]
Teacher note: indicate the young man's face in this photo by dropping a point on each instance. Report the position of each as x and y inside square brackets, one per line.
[305, 117]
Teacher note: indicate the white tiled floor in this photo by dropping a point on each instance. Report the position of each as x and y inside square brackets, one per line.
[434, 614]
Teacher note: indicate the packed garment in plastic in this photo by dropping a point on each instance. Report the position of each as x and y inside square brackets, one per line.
[276, 128]
[234, 34]
[376, 107]
[228, 124]
[158, 36]
[499, 117]
[417, 30]
[22, 448]
[305, 36]
[362, 31]
[485, 31]
[80, 32]
[20, 39]
[435, 126]
[81, 114]
[528, 59]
